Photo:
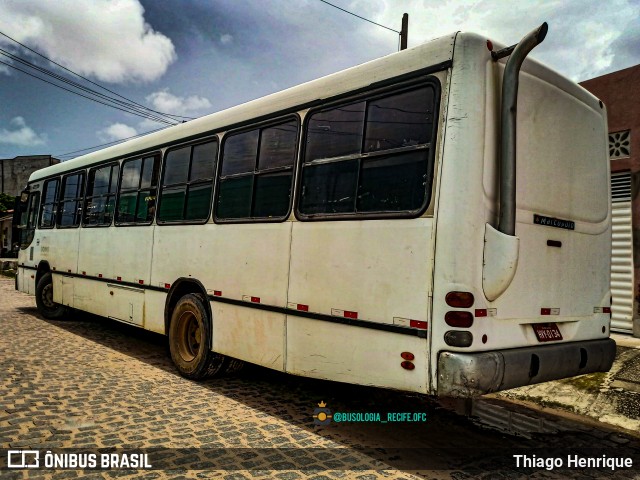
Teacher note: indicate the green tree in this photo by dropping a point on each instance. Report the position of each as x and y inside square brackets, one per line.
[7, 202]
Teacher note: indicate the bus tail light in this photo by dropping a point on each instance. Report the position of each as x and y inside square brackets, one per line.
[407, 355]
[458, 338]
[459, 319]
[407, 365]
[459, 299]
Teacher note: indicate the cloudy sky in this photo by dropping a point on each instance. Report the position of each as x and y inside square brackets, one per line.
[193, 57]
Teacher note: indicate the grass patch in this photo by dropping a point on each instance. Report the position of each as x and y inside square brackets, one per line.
[590, 383]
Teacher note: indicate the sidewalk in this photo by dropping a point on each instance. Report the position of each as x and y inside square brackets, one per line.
[612, 398]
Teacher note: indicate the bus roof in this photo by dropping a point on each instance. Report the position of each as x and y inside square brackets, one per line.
[433, 53]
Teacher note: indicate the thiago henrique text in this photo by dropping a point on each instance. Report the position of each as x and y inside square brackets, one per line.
[572, 461]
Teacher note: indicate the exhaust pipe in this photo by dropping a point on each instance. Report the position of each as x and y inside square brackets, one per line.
[507, 222]
[501, 246]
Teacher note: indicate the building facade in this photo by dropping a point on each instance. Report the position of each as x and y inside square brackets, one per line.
[15, 172]
[14, 175]
[619, 92]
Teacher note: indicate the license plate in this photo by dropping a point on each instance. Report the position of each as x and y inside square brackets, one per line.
[546, 332]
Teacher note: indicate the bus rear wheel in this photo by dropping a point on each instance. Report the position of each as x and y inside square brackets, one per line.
[190, 340]
[44, 299]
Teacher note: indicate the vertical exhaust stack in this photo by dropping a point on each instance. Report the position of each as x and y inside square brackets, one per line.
[501, 246]
[510, 82]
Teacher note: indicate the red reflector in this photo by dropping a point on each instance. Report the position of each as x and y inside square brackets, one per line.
[32, 276]
[490, 45]
[459, 299]
[217, 293]
[418, 324]
[348, 314]
[69, 270]
[141, 282]
[545, 311]
[606, 309]
[407, 355]
[255, 299]
[84, 273]
[407, 365]
[99, 275]
[167, 285]
[119, 279]
[302, 308]
[481, 312]
[459, 319]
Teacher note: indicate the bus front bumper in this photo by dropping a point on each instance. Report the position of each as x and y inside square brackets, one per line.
[473, 374]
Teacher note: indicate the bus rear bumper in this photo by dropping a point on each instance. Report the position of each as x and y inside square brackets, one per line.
[473, 374]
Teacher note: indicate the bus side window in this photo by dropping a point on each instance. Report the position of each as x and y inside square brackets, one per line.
[137, 193]
[101, 195]
[70, 204]
[29, 219]
[369, 157]
[49, 203]
[257, 173]
[187, 183]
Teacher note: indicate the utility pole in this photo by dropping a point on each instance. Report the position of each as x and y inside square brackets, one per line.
[404, 31]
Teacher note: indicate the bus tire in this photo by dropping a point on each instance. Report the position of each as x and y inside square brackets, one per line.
[190, 340]
[44, 299]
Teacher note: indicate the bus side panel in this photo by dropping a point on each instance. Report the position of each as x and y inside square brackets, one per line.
[26, 281]
[63, 248]
[252, 335]
[350, 354]
[378, 271]
[117, 253]
[244, 262]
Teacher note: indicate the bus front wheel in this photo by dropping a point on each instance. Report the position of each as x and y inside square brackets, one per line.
[44, 299]
[190, 340]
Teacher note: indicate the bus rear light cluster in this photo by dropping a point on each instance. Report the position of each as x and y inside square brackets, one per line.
[459, 319]
[459, 299]
[458, 338]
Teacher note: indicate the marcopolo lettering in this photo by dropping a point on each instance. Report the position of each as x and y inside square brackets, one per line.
[553, 222]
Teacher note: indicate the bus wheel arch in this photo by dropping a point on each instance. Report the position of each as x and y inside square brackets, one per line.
[189, 326]
[44, 298]
[43, 267]
[180, 288]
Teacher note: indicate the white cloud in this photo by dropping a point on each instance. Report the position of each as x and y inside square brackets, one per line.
[583, 40]
[21, 135]
[116, 131]
[166, 102]
[226, 39]
[106, 39]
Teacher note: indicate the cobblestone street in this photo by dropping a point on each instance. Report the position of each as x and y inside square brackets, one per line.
[91, 383]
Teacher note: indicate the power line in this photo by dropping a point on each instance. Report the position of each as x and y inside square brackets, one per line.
[109, 143]
[85, 96]
[361, 18]
[90, 81]
[128, 107]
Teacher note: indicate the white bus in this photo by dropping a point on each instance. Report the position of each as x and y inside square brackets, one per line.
[368, 227]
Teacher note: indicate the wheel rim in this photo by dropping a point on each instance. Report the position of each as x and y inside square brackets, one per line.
[47, 296]
[189, 336]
